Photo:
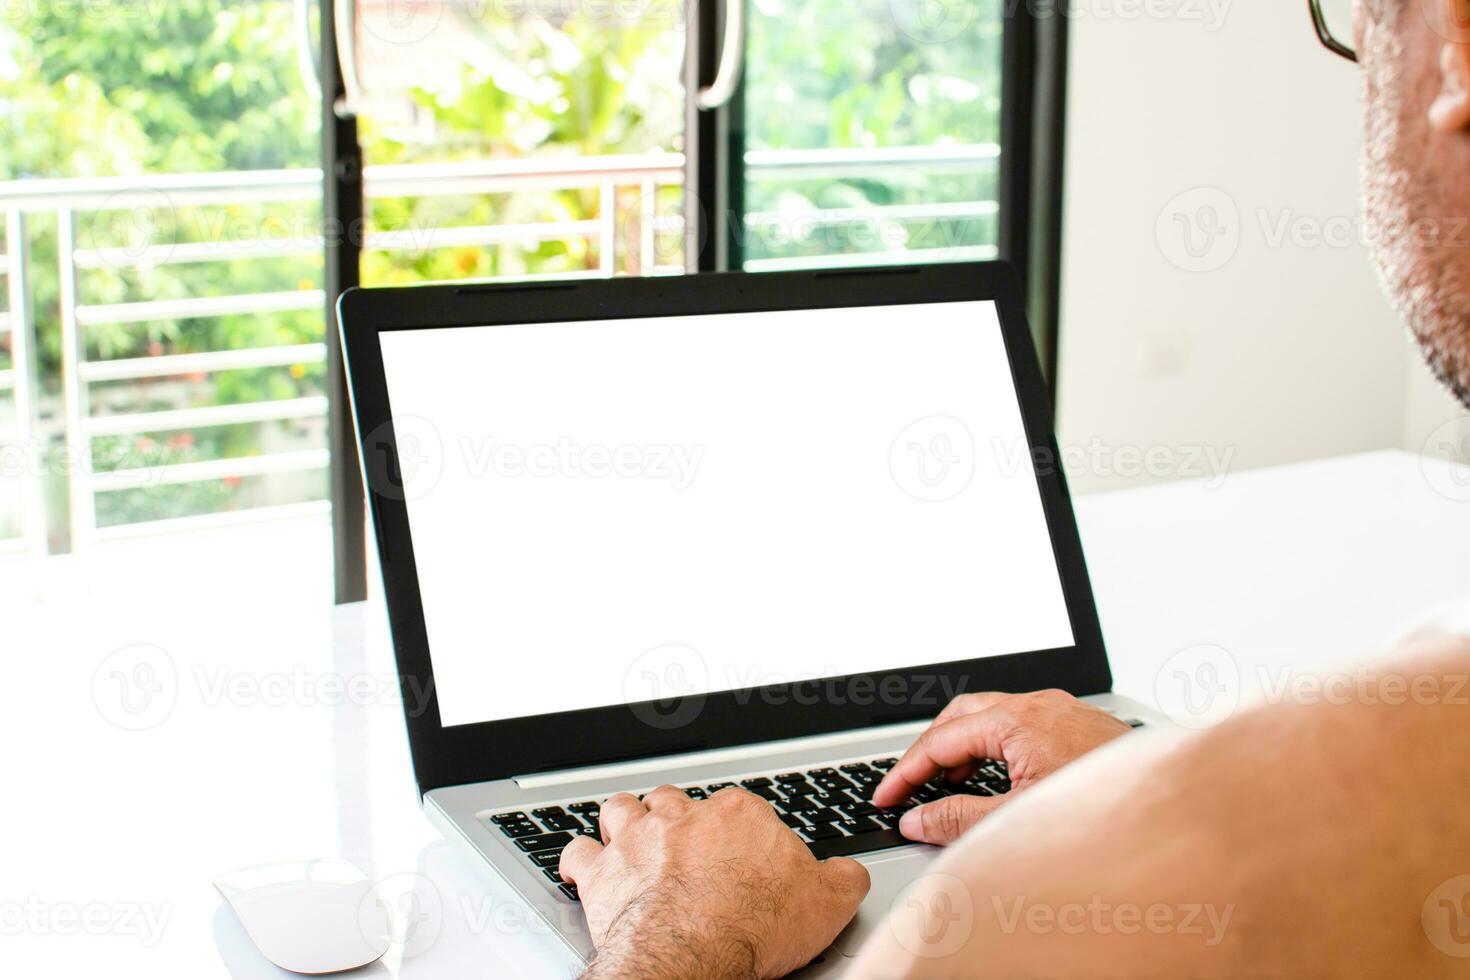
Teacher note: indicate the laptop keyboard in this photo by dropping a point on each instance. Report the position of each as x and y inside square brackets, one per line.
[828, 807]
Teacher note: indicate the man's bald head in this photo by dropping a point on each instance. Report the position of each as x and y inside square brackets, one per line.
[1416, 64]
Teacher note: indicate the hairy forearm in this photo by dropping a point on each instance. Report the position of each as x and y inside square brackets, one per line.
[669, 958]
[661, 944]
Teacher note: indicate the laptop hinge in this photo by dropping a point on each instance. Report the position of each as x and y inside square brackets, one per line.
[732, 754]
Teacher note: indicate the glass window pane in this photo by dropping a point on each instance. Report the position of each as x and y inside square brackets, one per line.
[872, 131]
[188, 269]
[562, 124]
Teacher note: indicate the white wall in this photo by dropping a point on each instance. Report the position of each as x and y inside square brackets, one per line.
[1284, 349]
[1433, 419]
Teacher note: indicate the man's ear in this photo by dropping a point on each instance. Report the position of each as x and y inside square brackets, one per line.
[1450, 110]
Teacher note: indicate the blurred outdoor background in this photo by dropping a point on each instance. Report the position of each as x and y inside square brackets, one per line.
[161, 353]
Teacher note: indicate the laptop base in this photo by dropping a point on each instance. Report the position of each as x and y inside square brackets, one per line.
[462, 814]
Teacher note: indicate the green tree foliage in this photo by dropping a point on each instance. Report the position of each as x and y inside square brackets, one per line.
[531, 87]
[134, 89]
[148, 87]
[196, 85]
[872, 73]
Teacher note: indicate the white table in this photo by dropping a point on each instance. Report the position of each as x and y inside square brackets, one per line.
[260, 759]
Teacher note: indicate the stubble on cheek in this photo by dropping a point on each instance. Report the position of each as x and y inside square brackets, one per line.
[1421, 249]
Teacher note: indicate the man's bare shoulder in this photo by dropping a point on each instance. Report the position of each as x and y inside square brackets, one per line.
[1304, 836]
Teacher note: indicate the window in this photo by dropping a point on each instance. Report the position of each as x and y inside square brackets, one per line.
[872, 132]
[169, 253]
[163, 338]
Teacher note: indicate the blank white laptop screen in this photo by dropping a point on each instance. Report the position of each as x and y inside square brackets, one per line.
[614, 511]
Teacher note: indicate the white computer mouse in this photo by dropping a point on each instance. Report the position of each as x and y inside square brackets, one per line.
[319, 916]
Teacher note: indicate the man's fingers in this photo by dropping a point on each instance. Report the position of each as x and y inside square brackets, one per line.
[944, 821]
[620, 810]
[959, 774]
[670, 798]
[960, 706]
[946, 745]
[577, 857]
[847, 878]
[968, 704]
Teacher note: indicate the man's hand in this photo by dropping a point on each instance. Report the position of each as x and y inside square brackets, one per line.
[719, 888]
[1036, 734]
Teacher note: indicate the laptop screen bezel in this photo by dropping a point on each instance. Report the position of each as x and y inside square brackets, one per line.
[541, 743]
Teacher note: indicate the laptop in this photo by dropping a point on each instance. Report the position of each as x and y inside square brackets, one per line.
[715, 530]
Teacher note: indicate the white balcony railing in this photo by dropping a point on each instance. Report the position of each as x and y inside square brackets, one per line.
[66, 200]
